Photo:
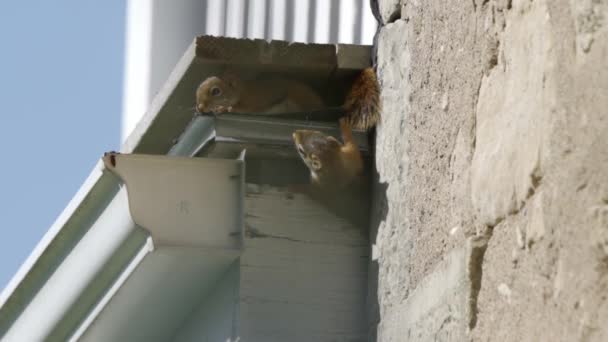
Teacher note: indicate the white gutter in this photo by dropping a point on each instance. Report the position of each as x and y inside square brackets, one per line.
[147, 248]
[61, 290]
[51, 234]
[90, 255]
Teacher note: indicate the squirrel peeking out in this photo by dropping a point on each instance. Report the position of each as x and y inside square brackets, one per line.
[229, 93]
[333, 165]
[337, 173]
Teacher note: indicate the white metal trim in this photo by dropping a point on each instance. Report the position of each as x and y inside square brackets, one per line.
[50, 235]
[87, 258]
[147, 248]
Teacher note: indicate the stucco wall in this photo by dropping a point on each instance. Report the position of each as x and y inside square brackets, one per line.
[493, 151]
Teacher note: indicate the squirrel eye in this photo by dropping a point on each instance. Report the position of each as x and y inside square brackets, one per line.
[216, 91]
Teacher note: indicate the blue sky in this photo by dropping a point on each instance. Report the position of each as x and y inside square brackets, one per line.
[61, 72]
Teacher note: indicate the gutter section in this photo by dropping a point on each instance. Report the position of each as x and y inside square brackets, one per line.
[58, 284]
[74, 222]
[73, 275]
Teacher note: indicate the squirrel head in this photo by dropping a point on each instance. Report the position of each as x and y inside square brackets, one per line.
[217, 95]
[319, 152]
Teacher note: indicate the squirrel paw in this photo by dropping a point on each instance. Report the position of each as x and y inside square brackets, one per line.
[221, 110]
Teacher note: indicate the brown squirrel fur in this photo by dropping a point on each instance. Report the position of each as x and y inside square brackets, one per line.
[337, 173]
[362, 104]
[231, 94]
[335, 166]
[332, 165]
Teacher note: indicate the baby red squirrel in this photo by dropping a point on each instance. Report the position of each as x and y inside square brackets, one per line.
[337, 174]
[333, 165]
[231, 94]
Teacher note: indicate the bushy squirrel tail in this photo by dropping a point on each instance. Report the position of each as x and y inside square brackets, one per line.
[362, 105]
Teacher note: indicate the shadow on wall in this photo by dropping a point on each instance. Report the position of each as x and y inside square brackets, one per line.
[378, 213]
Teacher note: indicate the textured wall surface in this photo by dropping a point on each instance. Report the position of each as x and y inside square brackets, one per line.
[493, 150]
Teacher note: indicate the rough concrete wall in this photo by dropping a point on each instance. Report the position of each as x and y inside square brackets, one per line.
[493, 147]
